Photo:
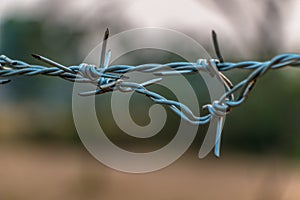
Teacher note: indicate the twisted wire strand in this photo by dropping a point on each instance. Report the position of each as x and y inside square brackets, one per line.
[110, 78]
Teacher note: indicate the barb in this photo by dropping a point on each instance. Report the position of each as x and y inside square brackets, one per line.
[216, 46]
[103, 51]
[109, 78]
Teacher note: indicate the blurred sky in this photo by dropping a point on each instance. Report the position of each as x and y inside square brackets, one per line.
[235, 20]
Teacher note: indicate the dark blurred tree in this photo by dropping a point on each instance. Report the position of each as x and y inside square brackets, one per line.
[21, 37]
[60, 39]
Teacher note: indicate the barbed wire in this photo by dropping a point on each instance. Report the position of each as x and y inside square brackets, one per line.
[110, 78]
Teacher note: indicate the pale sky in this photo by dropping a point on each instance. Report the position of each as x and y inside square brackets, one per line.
[197, 15]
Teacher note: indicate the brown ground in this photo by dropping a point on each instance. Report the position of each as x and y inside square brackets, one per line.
[43, 173]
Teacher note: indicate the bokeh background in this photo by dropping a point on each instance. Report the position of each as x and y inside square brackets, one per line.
[41, 156]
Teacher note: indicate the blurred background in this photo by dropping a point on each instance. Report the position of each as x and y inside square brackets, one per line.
[41, 156]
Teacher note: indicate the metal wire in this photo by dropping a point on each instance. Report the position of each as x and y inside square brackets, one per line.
[109, 78]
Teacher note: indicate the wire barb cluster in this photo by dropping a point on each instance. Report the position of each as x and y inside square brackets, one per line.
[109, 78]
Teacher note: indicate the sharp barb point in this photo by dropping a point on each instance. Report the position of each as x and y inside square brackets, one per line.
[213, 32]
[5, 81]
[36, 56]
[106, 35]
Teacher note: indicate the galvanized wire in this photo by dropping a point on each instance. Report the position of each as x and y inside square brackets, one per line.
[109, 78]
[112, 77]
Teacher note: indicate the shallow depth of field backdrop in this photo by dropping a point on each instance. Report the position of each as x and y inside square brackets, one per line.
[41, 156]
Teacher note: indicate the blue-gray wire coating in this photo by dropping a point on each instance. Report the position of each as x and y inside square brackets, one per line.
[113, 77]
